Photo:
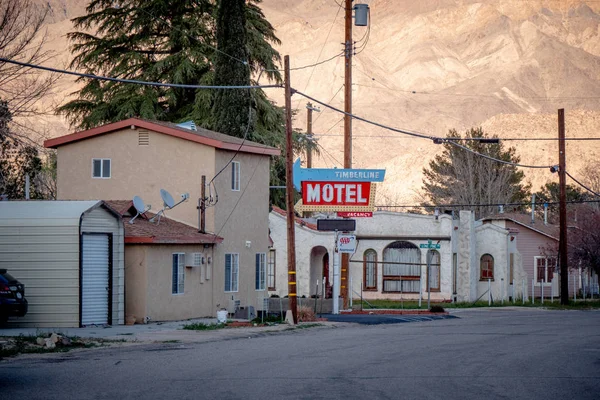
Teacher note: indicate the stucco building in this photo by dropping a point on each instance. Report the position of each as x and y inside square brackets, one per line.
[391, 258]
[136, 157]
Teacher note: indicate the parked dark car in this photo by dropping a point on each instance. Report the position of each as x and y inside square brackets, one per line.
[12, 297]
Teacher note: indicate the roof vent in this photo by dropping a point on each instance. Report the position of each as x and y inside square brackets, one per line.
[188, 125]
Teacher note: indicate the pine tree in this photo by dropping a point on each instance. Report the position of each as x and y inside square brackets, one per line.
[232, 112]
[459, 176]
[162, 41]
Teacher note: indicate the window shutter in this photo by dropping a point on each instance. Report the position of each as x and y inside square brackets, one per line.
[106, 168]
[227, 272]
[174, 277]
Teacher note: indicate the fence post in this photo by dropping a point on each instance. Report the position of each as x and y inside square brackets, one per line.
[532, 290]
[502, 289]
[575, 289]
[523, 290]
[542, 284]
[489, 292]
[513, 291]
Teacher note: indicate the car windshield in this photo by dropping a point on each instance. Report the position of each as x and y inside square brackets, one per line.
[8, 278]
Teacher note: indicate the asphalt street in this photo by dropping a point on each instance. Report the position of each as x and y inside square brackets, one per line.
[482, 354]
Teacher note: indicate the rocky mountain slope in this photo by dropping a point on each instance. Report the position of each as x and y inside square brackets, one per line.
[430, 66]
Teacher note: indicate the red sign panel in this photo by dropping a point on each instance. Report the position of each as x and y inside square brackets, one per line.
[335, 193]
[354, 214]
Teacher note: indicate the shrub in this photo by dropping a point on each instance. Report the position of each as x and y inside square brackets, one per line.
[306, 314]
[436, 309]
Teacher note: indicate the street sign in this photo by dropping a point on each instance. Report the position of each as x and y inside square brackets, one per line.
[334, 175]
[346, 243]
[334, 224]
[429, 245]
[355, 214]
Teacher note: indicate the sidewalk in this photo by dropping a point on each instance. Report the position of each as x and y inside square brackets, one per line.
[155, 331]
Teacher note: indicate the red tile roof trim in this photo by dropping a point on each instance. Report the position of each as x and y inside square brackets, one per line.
[167, 130]
[298, 220]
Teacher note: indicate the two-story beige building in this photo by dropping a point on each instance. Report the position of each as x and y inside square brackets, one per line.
[137, 157]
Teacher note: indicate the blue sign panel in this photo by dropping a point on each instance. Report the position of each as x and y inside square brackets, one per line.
[335, 174]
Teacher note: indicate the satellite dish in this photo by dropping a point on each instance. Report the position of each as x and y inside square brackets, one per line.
[139, 205]
[167, 198]
[168, 203]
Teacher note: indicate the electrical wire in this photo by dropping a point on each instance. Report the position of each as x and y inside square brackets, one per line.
[330, 100]
[315, 64]
[133, 81]
[582, 185]
[442, 206]
[453, 143]
[435, 139]
[321, 52]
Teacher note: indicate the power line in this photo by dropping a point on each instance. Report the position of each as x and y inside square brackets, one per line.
[435, 139]
[321, 51]
[318, 63]
[582, 185]
[133, 81]
[442, 206]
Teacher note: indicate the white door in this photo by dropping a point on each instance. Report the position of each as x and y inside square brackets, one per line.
[94, 282]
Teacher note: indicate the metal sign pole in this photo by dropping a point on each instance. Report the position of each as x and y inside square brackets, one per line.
[336, 277]
[429, 253]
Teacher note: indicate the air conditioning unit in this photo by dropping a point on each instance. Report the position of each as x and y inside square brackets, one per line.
[233, 306]
[194, 259]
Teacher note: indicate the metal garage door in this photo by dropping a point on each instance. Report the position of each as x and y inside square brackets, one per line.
[94, 279]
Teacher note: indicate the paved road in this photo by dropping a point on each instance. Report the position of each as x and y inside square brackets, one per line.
[483, 354]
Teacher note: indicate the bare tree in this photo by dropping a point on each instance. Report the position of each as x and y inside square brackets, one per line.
[22, 38]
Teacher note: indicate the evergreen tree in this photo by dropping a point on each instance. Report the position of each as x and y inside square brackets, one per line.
[550, 193]
[458, 176]
[162, 41]
[232, 112]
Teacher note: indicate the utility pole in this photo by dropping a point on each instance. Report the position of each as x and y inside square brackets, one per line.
[309, 110]
[562, 244]
[348, 49]
[289, 195]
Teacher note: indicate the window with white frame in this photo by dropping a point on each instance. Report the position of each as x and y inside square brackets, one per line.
[434, 270]
[370, 270]
[271, 270]
[486, 267]
[544, 270]
[235, 175]
[232, 267]
[101, 168]
[178, 273]
[261, 271]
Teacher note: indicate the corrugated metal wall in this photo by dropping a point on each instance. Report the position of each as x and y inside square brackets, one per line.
[42, 252]
[100, 220]
[46, 260]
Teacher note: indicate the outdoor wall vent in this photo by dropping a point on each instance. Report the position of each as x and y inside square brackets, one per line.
[143, 138]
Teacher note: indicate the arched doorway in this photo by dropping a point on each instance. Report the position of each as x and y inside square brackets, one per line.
[401, 268]
[319, 270]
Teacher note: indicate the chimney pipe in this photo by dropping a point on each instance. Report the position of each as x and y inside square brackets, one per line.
[533, 209]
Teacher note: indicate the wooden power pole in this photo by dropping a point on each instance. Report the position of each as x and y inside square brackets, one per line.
[309, 111]
[562, 244]
[289, 195]
[344, 290]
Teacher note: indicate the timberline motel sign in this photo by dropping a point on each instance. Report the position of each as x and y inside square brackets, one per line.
[349, 191]
[337, 190]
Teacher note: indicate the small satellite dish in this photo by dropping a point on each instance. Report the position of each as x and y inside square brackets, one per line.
[167, 198]
[168, 203]
[140, 207]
